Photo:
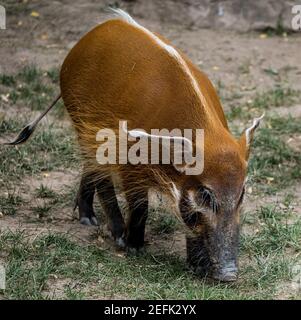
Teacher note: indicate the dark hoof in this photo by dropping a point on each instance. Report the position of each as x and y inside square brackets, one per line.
[89, 221]
[200, 271]
[94, 221]
[120, 242]
[131, 251]
[85, 221]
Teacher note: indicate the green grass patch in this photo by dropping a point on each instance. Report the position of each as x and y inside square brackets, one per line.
[16, 8]
[32, 87]
[10, 126]
[277, 97]
[34, 267]
[31, 266]
[45, 192]
[162, 222]
[9, 202]
[42, 211]
[50, 149]
[276, 234]
[7, 80]
[280, 96]
[274, 165]
[53, 201]
[273, 248]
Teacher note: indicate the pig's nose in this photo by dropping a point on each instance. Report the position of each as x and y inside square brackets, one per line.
[227, 273]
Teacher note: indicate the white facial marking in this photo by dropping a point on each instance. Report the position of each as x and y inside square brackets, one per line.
[175, 192]
[191, 198]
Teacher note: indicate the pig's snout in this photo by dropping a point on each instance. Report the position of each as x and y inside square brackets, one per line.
[221, 266]
[226, 273]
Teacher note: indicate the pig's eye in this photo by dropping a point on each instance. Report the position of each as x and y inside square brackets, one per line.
[192, 219]
[207, 199]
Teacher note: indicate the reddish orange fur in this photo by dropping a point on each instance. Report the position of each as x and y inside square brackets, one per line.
[118, 72]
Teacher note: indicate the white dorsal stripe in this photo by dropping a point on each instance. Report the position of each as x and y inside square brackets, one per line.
[171, 50]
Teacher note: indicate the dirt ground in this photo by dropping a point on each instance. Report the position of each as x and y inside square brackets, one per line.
[44, 38]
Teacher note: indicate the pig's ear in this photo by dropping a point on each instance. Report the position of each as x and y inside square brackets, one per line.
[181, 145]
[247, 137]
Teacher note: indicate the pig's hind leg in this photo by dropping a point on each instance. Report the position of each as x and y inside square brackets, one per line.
[84, 201]
[138, 207]
[107, 197]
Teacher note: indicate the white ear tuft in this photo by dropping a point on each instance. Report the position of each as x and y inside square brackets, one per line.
[182, 145]
[142, 134]
[250, 131]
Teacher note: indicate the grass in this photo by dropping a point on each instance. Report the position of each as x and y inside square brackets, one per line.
[17, 7]
[50, 149]
[274, 248]
[277, 97]
[7, 80]
[36, 265]
[274, 164]
[276, 234]
[49, 202]
[31, 87]
[280, 96]
[41, 211]
[45, 192]
[9, 203]
[162, 222]
[10, 126]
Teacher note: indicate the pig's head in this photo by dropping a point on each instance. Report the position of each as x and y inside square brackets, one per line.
[210, 202]
[210, 206]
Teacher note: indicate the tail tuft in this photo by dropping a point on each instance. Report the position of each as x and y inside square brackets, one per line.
[23, 135]
[29, 129]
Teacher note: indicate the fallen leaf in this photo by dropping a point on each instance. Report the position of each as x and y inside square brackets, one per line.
[44, 36]
[5, 97]
[35, 14]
